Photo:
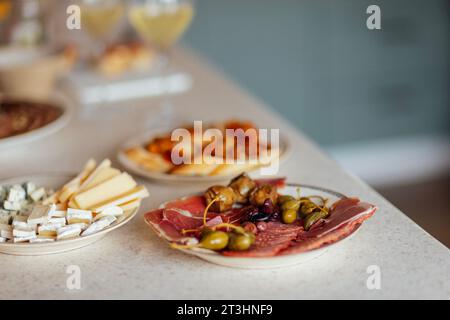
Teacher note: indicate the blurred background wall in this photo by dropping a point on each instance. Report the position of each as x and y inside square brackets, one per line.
[377, 100]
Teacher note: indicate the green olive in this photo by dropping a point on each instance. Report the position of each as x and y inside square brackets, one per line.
[307, 208]
[289, 216]
[241, 242]
[215, 240]
[284, 198]
[313, 218]
[291, 205]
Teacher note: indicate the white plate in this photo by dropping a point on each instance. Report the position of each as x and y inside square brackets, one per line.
[59, 100]
[277, 261]
[142, 139]
[55, 181]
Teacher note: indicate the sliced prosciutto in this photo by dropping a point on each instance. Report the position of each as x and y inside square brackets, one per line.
[185, 214]
[276, 237]
[346, 216]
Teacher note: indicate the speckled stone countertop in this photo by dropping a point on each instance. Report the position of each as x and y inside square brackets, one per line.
[132, 262]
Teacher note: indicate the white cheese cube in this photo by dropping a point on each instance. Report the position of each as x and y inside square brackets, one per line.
[41, 214]
[23, 233]
[2, 239]
[99, 225]
[11, 205]
[68, 232]
[49, 229]
[20, 222]
[29, 187]
[78, 216]
[24, 239]
[16, 194]
[37, 194]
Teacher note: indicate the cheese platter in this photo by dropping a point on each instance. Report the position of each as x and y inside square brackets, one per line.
[36, 220]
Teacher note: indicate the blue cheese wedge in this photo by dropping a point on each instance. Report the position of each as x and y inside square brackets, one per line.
[68, 232]
[40, 214]
[99, 225]
[78, 216]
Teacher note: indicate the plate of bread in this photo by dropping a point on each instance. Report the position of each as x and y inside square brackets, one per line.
[151, 154]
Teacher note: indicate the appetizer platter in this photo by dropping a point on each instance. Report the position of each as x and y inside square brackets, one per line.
[22, 121]
[259, 223]
[36, 220]
[149, 155]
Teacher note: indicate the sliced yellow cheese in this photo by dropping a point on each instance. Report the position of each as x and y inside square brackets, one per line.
[73, 185]
[131, 205]
[53, 199]
[101, 176]
[136, 193]
[103, 165]
[105, 191]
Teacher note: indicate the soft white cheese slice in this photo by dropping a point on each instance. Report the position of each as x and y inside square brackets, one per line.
[41, 214]
[99, 225]
[42, 239]
[111, 211]
[24, 239]
[78, 216]
[23, 233]
[68, 232]
[61, 221]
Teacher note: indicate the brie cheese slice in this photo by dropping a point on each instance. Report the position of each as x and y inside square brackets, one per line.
[68, 232]
[99, 225]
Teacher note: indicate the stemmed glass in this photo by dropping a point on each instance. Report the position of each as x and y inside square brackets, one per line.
[160, 23]
[99, 19]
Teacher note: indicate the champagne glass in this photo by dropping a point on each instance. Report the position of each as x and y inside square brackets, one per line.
[160, 23]
[99, 18]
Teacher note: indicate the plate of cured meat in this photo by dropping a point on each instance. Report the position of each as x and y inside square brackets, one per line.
[23, 120]
[262, 223]
[150, 154]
